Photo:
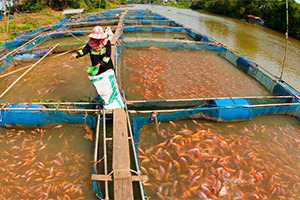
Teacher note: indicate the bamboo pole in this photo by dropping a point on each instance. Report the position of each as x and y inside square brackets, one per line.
[7, 27]
[97, 143]
[94, 22]
[205, 108]
[134, 153]
[13, 51]
[210, 98]
[61, 103]
[269, 105]
[105, 154]
[27, 71]
[53, 109]
[12, 72]
[286, 38]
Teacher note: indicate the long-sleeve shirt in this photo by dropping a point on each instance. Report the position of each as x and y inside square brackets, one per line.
[101, 56]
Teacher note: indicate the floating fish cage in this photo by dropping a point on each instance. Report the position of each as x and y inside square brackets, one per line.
[204, 122]
[196, 109]
[142, 23]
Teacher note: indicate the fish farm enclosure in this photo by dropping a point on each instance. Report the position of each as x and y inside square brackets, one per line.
[200, 120]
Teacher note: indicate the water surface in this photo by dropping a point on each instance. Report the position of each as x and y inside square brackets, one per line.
[56, 78]
[262, 45]
[158, 73]
[46, 163]
[197, 159]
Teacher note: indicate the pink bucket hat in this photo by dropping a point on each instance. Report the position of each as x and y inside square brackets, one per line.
[98, 33]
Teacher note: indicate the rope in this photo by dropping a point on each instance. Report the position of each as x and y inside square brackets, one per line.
[67, 52]
[136, 172]
[95, 163]
[75, 37]
[110, 173]
[284, 59]
[124, 170]
[286, 38]
[27, 72]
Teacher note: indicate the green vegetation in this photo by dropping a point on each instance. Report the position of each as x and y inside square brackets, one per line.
[272, 11]
[21, 21]
[38, 5]
[30, 14]
[173, 3]
[37, 100]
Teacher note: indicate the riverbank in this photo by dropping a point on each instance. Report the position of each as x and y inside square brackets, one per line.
[20, 22]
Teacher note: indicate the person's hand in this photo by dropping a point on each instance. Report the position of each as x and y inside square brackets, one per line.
[73, 56]
[98, 65]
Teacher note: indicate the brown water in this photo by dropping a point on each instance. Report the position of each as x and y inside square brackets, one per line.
[262, 45]
[53, 78]
[90, 28]
[148, 25]
[64, 41]
[157, 73]
[197, 159]
[158, 35]
[52, 163]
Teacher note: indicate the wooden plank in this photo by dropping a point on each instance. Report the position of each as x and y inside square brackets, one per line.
[101, 177]
[113, 54]
[118, 29]
[121, 158]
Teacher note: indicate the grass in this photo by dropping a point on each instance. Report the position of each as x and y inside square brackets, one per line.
[185, 5]
[37, 100]
[26, 21]
[16, 28]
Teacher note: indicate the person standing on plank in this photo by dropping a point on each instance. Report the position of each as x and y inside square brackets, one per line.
[102, 73]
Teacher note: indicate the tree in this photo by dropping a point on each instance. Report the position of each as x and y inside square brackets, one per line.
[33, 5]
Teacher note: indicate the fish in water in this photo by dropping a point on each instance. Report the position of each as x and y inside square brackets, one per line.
[222, 163]
[41, 169]
[156, 75]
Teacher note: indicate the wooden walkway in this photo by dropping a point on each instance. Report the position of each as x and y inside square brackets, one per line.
[121, 158]
[121, 173]
[122, 176]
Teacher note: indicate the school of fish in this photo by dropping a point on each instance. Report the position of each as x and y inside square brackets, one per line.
[33, 168]
[206, 161]
[157, 73]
